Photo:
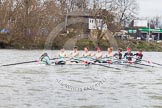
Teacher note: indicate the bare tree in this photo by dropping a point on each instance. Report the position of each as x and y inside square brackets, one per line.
[105, 11]
[126, 10]
[156, 21]
[27, 18]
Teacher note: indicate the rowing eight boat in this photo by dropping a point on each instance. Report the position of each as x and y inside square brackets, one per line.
[68, 64]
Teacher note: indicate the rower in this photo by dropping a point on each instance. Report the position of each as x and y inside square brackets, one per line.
[128, 55]
[109, 55]
[118, 55]
[98, 55]
[139, 56]
[45, 58]
[75, 55]
[75, 52]
[86, 55]
[61, 57]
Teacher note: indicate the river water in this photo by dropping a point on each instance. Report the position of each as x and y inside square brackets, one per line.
[77, 86]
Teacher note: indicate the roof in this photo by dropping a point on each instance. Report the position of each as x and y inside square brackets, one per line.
[79, 13]
[85, 13]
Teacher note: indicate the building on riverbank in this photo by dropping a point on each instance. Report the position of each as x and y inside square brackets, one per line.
[87, 22]
[140, 29]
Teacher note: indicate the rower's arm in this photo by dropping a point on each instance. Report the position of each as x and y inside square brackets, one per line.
[132, 54]
[125, 55]
[48, 57]
[115, 54]
[82, 55]
[76, 54]
[93, 54]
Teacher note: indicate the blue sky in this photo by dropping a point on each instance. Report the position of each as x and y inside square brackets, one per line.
[150, 8]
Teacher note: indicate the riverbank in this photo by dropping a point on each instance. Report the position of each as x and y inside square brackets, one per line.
[26, 43]
[138, 44]
[133, 44]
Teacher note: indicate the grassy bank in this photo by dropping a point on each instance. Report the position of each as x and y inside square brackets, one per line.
[137, 44]
[133, 44]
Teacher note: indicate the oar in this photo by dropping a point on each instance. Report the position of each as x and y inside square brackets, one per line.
[149, 62]
[54, 58]
[122, 64]
[21, 63]
[144, 64]
[25, 62]
[100, 64]
[136, 63]
[106, 66]
[60, 58]
[125, 64]
[132, 66]
[129, 65]
[152, 62]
